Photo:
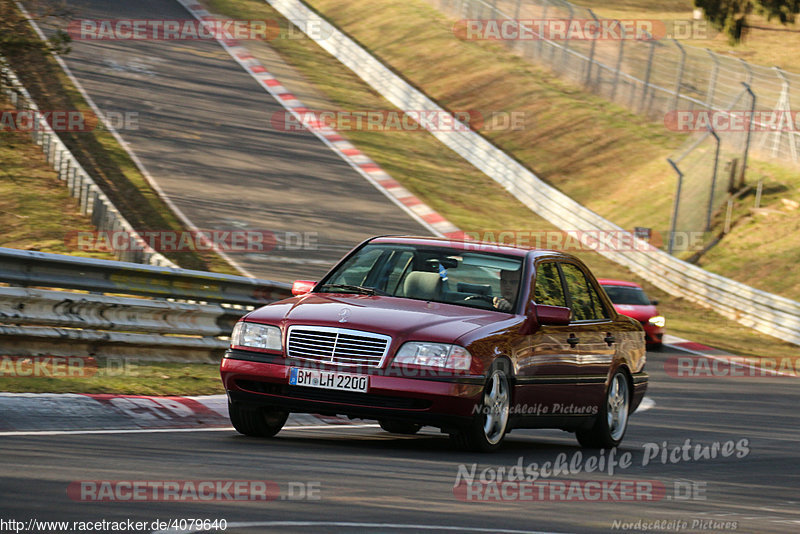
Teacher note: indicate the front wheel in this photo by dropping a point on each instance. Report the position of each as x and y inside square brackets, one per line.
[612, 421]
[257, 422]
[486, 431]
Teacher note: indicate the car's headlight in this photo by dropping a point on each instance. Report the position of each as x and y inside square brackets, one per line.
[434, 355]
[658, 321]
[257, 336]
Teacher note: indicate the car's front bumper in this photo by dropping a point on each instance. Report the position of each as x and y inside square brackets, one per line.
[653, 334]
[436, 400]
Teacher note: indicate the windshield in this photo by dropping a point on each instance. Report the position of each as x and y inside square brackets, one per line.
[627, 295]
[438, 274]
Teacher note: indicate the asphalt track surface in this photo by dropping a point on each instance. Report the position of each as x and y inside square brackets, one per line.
[204, 133]
[366, 480]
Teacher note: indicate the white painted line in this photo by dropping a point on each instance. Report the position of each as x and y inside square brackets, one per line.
[327, 427]
[165, 430]
[112, 431]
[646, 404]
[373, 526]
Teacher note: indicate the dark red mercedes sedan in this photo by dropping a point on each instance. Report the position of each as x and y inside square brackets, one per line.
[473, 338]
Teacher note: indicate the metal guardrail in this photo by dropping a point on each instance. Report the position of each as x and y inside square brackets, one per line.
[91, 199]
[765, 312]
[180, 313]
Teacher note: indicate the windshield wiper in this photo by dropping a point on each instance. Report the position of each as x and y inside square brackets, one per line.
[355, 289]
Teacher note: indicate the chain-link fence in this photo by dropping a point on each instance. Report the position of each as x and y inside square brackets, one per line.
[645, 72]
[734, 107]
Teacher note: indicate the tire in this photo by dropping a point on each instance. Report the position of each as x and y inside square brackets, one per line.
[399, 427]
[488, 428]
[256, 422]
[612, 421]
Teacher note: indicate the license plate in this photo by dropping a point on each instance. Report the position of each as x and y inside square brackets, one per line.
[328, 380]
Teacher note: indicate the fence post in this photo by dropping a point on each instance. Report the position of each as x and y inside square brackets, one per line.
[675, 205]
[565, 53]
[618, 66]
[591, 54]
[713, 180]
[758, 193]
[541, 37]
[784, 107]
[712, 82]
[679, 81]
[749, 132]
[648, 71]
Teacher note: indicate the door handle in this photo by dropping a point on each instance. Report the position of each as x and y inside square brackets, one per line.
[610, 339]
[572, 340]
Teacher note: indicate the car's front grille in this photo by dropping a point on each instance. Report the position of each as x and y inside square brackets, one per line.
[337, 346]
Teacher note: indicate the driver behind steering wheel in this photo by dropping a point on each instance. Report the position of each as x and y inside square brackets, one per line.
[509, 285]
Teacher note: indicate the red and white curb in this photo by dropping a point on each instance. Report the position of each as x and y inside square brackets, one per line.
[693, 347]
[367, 168]
[51, 412]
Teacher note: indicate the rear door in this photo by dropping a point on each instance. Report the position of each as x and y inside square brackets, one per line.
[545, 360]
[592, 324]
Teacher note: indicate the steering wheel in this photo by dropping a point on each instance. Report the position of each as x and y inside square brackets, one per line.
[480, 296]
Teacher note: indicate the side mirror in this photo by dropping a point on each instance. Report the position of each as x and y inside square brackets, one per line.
[552, 315]
[301, 287]
[654, 302]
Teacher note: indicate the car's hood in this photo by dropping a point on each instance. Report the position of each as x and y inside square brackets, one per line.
[636, 311]
[393, 316]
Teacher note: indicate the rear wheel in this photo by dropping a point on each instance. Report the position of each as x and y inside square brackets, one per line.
[399, 427]
[257, 422]
[610, 425]
[486, 431]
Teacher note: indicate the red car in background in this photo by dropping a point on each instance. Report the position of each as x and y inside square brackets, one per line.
[630, 299]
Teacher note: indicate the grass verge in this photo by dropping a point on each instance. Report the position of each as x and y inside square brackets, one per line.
[126, 377]
[35, 206]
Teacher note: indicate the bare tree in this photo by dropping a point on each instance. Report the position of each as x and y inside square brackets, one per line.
[17, 36]
[730, 16]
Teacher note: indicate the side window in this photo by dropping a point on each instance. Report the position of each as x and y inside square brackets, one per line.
[548, 289]
[599, 310]
[586, 304]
